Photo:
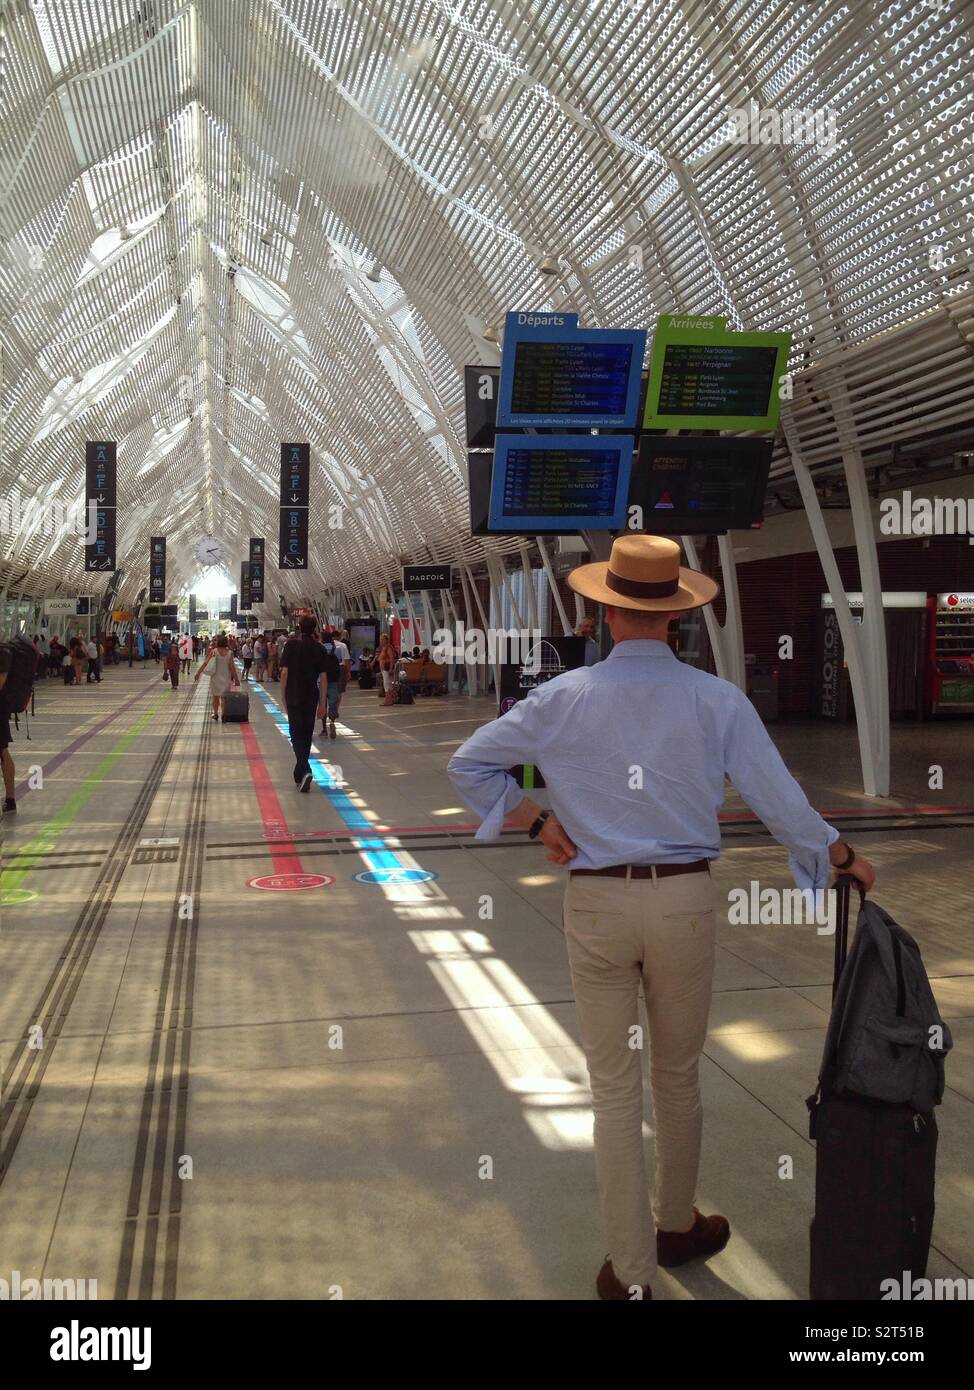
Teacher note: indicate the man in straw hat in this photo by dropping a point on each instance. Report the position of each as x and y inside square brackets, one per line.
[634, 752]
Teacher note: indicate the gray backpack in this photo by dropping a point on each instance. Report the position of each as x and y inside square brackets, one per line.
[886, 1039]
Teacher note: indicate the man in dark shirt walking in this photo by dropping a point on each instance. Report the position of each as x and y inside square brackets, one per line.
[304, 683]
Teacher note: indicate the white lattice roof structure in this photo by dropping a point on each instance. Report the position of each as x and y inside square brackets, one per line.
[227, 223]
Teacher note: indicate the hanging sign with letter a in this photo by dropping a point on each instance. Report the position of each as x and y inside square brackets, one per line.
[295, 499]
[101, 499]
[295, 474]
[157, 569]
[256, 570]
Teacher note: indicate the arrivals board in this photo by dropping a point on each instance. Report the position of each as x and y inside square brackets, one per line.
[560, 482]
[556, 375]
[710, 378]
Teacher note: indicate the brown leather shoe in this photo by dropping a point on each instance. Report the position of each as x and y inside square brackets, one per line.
[610, 1288]
[706, 1236]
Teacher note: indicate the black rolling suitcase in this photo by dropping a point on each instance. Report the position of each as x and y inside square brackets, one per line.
[236, 707]
[872, 1115]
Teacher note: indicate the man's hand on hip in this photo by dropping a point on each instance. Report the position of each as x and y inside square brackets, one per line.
[561, 848]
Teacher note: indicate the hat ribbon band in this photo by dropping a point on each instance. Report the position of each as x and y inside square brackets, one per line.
[635, 588]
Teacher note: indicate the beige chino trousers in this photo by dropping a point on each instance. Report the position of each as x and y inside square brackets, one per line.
[659, 933]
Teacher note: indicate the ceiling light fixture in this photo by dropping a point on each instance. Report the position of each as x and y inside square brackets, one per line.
[374, 273]
[490, 333]
[549, 267]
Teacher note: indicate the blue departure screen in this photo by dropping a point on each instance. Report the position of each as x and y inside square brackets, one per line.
[560, 483]
[555, 375]
[571, 379]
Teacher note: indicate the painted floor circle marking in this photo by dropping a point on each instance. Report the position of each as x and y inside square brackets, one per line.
[290, 883]
[397, 875]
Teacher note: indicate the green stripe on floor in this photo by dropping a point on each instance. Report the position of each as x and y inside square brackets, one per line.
[26, 858]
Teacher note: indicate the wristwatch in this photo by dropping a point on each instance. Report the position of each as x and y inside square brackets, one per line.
[846, 863]
[535, 830]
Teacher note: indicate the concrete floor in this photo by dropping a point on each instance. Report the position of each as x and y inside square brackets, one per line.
[238, 1093]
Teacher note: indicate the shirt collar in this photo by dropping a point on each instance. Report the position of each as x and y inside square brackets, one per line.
[641, 646]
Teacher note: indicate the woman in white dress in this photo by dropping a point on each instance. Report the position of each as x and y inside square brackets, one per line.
[223, 676]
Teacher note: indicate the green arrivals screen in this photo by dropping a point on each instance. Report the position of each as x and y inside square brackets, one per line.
[702, 376]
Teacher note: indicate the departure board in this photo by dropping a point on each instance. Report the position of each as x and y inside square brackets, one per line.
[560, 483]
[709, 378]
[559, 376]
[571, 379]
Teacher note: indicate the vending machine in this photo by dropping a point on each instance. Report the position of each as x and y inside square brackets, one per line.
[950, 664]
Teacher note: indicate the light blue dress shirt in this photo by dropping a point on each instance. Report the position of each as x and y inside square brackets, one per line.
[634, 751]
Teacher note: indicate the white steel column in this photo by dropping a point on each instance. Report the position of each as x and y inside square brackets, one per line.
[470, 667]
[566, 626]
[727, 639]
[864, 643]
[484, 628]
[534, 620]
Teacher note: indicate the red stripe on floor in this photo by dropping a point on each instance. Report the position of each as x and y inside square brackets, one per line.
[275, 826]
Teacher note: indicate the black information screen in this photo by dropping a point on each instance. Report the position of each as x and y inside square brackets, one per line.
[560, 482]
[688, 486]
[702, 380]
[571, 378]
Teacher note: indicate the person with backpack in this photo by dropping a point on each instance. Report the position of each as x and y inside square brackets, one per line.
[640, 904]
[339, 663]
[306, 673]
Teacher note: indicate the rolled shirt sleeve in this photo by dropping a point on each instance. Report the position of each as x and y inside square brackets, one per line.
[758, 772]
[478, 769]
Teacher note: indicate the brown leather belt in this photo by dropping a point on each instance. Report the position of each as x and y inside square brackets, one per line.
[698, 866]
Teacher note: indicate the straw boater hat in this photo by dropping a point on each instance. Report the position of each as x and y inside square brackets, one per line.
[644, 572]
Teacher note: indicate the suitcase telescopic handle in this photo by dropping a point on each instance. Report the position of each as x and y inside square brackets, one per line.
[843, 887]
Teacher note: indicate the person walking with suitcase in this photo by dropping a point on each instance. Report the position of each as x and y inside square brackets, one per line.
[223, 676]
[640, 906]
[305, 668]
